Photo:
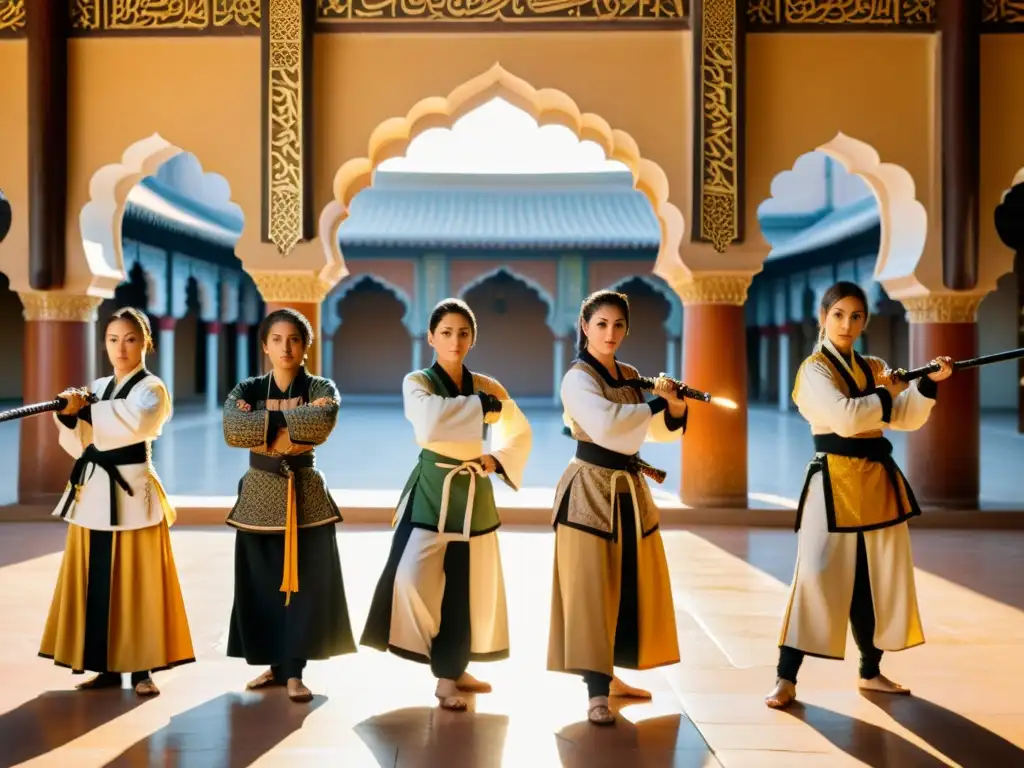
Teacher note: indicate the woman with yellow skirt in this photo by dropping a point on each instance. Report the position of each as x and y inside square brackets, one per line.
[117, 607]
[611, 602]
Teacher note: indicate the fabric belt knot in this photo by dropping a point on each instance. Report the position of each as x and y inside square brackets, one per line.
[473, 468]
[286, 467]
[92, 457]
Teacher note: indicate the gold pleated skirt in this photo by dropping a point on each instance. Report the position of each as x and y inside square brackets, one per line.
[147, 627]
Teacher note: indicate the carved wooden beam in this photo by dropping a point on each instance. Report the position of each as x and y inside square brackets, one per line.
[181, 17]
[839, 15]
[1001, 16]
[12, 18]
[47, 142]
[718, 34]
[286, 37]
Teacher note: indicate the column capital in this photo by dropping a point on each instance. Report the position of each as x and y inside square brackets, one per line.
[956, 307]
[281, 287]
[715, 288]
[57, 306]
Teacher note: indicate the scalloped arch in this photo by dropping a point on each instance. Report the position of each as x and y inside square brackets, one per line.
[547, 106]
[101, 218]
[529, 282]
[904, 220]
[335, 298]
[674, 322]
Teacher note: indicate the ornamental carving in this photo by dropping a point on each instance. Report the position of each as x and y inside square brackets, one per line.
[12, 18]
[943, 308]
[1002, 12]
[717, 202]
[782, 13]
[290, 287]
[179, 16]
[715, 289]
[283, 164]
[59, 307]
[507, 11]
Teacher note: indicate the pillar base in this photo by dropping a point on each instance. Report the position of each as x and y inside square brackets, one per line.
[714, 448]
[59, 353]
[943, 457]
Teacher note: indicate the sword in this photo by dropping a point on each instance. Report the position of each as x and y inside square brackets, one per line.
[646, 382]
[959, 365]
[57, 404]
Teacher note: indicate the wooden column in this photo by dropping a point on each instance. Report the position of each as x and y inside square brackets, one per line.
[960, 97]
[59, 353]
[1010, 226]
[943, 457]
[714, 448]
[719, 32]
[47, 25]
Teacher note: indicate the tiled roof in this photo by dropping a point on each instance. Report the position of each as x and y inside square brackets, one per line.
[507, 212]
[842, 223]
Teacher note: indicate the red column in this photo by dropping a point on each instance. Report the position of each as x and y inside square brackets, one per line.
[58, 353]
[943, 457]
[714, 448]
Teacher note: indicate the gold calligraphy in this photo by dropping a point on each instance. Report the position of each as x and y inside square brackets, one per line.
[178, 15]
[771, 13]
[12, 17]
[284, 141]
[719, 194]
[350, 11]
[1002, 11]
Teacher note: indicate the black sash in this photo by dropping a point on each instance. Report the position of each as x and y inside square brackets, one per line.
[592, 453]
[872, 448]
[92, 457]
[281, 465]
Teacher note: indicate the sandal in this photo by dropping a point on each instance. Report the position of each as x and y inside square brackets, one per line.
[598, 712]
[102, 680]
[146, 688]
[447, 693]
[266, 680]
[782, 696]
[298, 692]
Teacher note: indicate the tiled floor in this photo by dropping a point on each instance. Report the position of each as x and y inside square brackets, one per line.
[372, 448]
[375, 710]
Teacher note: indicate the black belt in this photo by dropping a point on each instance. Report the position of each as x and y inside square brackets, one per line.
[592, 453]
[282, 465]
[137, 453]
[871, 448]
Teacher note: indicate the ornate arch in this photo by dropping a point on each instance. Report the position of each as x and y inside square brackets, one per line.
[101, 218]
[547, 106]
[904, 220]
[674, 322]
[334, 299]
[529, 282]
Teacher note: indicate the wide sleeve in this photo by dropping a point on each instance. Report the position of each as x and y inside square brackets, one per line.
[913, 406]
[244, 429]
[134, 419]
[822, 403]
[511, 440]
[313, 424]
[435, 418]
[664, 427]
[619, 427]
[73, 434]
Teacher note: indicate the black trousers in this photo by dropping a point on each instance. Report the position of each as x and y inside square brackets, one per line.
[97, 606]
[862, 621]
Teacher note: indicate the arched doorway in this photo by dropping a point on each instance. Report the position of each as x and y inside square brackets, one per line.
[13, 322]
[372, 348]
[645, 347]
[515, 341]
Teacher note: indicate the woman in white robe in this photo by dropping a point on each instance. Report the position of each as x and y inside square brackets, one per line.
[117, 607]
[441, 598]
[854, 561]
[611, 602]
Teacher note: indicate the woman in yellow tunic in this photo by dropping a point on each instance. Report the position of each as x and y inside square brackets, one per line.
[117, 607]
[853, 559]
[611, 603]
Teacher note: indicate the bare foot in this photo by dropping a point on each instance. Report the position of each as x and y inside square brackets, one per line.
[598, 712]
[146, 688]
[447, 693]
[266, 680]
[298, 692]
[619, 688]
[782, 695]
[882, 684]
[102, 680]
[470, 684]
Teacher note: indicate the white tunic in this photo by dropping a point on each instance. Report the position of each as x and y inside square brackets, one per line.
[116, 423]
[819, 604]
